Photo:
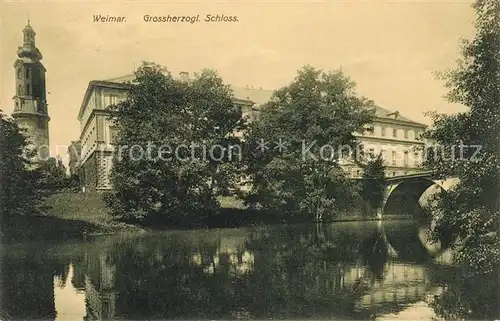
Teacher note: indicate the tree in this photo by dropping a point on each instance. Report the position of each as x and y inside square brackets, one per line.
[52, 175]
[294, 146]
[468, 149]
[175, 142]
[17, 192]
[373, 185]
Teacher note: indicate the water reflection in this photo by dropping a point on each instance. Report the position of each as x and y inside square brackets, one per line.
[344, 270]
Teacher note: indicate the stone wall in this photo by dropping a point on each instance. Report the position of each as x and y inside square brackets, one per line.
[37, 131]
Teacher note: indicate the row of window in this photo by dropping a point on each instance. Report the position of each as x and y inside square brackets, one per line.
[88, 141]
[406, 133]
[394, 157]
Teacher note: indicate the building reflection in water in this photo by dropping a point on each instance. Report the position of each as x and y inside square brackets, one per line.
[273, 272]
[69, 301]
[27, 283]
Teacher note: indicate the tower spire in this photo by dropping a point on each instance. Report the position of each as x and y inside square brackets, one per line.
[28, 48]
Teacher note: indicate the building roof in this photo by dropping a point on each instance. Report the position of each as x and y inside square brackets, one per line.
[122, 79]
[385, 114]
[258, 96]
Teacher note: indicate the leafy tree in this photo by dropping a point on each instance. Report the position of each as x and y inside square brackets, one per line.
[470, 211]
[184, 131]
[373, 185]
[17, 191]
[315, 116]
[52, 175]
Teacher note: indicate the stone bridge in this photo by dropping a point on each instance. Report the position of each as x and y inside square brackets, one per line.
[403, 194]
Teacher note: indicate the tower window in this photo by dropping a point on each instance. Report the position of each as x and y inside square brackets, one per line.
[27, 73]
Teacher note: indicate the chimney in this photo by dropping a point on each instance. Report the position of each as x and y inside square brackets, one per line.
[184, 76]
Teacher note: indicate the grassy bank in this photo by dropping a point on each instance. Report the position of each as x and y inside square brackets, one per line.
[63, 216]
[77, 215]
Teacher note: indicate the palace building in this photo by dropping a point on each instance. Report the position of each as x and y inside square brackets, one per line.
[30, 100]
[394, 136]
[97, 133]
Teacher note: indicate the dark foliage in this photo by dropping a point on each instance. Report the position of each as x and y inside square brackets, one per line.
[315, 116]
[17, 182]
[373, 185]
[178, 181]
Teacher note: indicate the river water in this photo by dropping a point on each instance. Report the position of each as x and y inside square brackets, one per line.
[348, 270]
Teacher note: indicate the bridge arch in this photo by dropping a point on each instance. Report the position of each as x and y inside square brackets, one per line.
[402, 196]
[409, 241]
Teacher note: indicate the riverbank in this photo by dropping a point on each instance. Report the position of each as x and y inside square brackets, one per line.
[65, 216]
[78, 215]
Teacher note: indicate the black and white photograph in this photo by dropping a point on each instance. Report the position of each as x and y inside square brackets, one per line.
[250, 160]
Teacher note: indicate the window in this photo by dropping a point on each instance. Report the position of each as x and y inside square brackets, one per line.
[36, 76]
[27, 73]
[383, 131]
[112, 135]
[112, 99]
[406, 134]
[28, 90]
[393, 157]
[405, 159]
[394, 132]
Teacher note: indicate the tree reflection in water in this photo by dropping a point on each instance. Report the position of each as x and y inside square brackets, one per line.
[303, 271]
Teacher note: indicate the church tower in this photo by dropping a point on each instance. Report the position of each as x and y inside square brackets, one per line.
[30, 103]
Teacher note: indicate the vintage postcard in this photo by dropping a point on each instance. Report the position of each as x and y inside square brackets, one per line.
[206, 160]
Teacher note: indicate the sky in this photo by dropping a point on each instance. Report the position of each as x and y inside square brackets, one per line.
[390, 49]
